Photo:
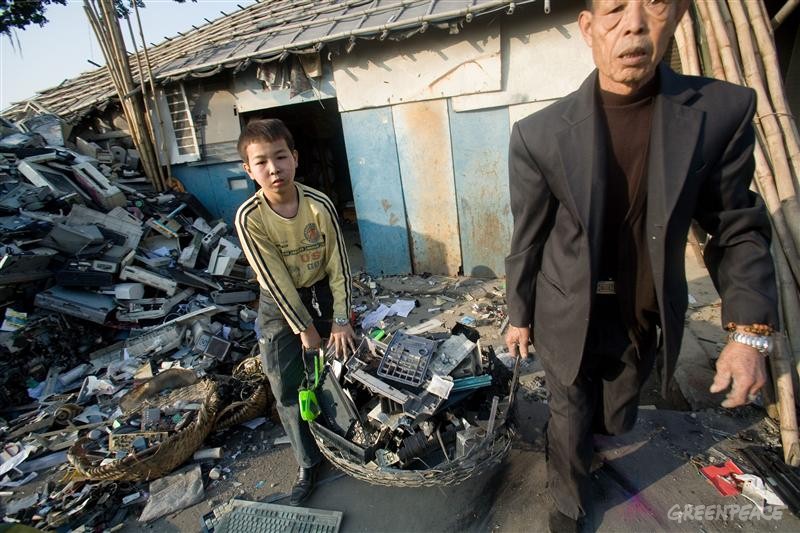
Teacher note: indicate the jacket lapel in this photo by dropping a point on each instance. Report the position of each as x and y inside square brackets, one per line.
[675, 131]
[583, 147]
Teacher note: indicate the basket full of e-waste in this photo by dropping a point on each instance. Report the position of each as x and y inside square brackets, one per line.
[416, 411]
[164, 422]
[255, 396]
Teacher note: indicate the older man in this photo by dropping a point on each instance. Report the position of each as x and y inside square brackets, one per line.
[604, 185]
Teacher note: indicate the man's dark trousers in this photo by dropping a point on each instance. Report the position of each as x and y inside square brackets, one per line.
[603, 399]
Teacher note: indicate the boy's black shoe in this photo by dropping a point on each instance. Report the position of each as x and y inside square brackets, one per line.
[303, 485]
[558, 522]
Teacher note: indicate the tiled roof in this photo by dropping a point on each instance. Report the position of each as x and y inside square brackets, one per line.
[266, 31]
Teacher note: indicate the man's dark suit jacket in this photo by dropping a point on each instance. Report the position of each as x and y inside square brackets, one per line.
[700, 166]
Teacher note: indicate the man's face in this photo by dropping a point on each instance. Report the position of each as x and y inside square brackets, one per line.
[628, 38]
[271, 165]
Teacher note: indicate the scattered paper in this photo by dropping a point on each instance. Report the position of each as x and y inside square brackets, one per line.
[401, 308]
[372, 318]
[755, 490]
[173, 493]
[281, 440]
[440, 386]
[424, 327]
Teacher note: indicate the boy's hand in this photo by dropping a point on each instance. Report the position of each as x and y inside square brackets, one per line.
[342, 338]
[310, 338]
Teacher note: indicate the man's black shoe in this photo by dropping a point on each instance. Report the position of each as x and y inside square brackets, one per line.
[558, 522]
[303, 485]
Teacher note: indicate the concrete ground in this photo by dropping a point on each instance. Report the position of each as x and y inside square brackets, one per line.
[647, 476]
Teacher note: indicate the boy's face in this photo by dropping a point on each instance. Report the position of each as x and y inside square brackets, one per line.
[271, 164]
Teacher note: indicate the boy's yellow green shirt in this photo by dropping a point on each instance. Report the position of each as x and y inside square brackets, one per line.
[291, 253]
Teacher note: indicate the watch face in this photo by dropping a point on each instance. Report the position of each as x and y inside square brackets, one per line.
[341, 321]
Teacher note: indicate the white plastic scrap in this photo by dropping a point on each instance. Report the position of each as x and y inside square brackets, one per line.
[755, 490]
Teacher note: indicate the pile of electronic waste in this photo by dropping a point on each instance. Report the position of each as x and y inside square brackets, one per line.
[105, 285]
[435, 404]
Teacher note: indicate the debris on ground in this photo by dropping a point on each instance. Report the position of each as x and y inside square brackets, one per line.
[119, 301]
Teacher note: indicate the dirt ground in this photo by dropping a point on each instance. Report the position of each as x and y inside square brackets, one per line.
[645, 474]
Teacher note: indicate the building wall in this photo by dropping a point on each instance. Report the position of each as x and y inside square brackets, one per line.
[427, 125]
[218, 179]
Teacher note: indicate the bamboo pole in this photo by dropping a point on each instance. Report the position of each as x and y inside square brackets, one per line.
[773, 170]
[766, 187]
[784, 13]
[163, 143]
[730, 29]
[768, 395]
[687, 28]
[769, 58]
[684, 48]
[136, 118]
[773, 134]
[717, 69]
[146, 98]
[730, 64]
[790, 305]
[782, 372]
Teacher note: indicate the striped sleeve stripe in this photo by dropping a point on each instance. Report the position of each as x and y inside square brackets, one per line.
[288, 311]
[345, 261]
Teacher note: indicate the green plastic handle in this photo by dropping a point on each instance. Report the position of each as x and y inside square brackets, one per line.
[318, 362]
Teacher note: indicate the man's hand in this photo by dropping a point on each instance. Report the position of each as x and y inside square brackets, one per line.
[517, 340]
[744, 366]
[342, 338]
[310, 338]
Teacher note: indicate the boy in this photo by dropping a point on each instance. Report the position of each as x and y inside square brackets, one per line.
[291, 238]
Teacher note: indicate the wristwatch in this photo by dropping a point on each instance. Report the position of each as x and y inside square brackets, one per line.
[341, 321]
[762, 343]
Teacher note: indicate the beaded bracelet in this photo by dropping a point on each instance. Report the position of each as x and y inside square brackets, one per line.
[764, 330]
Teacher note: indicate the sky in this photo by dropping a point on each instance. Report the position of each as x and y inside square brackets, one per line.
[60, 50]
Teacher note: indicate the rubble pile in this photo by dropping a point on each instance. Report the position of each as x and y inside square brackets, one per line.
[107, 288]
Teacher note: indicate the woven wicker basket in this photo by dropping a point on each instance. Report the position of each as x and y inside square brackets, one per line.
[259, 403]
[158, 460]
[481, 458]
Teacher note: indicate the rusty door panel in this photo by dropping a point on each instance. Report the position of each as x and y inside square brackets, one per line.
[377, 191]
[426, 170]
[480, 162]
